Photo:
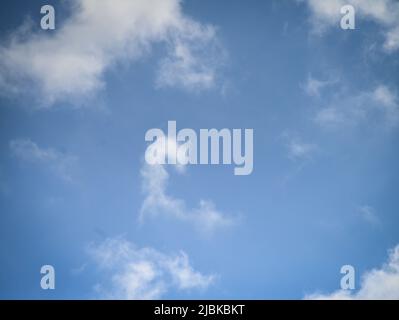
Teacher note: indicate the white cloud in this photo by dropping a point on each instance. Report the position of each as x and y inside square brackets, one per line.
[187, 66]
[297, 148]
[59, 163]
[69, 64]
[184, 276]
[143, 273]
[157, 201]
[386, 97]
[206, 218]
[387, 102]
[314, 86]
[300, 150]
[326, 14]
[369, 215]
[330, 117]
[380, 104]
[380, 283]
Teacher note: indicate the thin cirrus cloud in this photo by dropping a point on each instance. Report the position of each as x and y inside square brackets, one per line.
[380, 104]
[143, 273]
[206, 218]
[376, 284]
[369, 215]
[187, 66]
[69, 64]
[297, 148]
[59, 163]
[314, 86]
[327, 13]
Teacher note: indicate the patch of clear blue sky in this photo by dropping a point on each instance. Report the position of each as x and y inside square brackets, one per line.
[295, 234]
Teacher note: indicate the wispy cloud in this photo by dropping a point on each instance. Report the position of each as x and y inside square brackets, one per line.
[143, 273]
[387, 102]
[313, 86]
[380, 283]
[381, 105]
[206, 218]
[70, 63]
[59, 163]
[195, 57]
[369, 214]
[326, 14]
[298, 149]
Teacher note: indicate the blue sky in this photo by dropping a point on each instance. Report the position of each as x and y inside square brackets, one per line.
[76, 102]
